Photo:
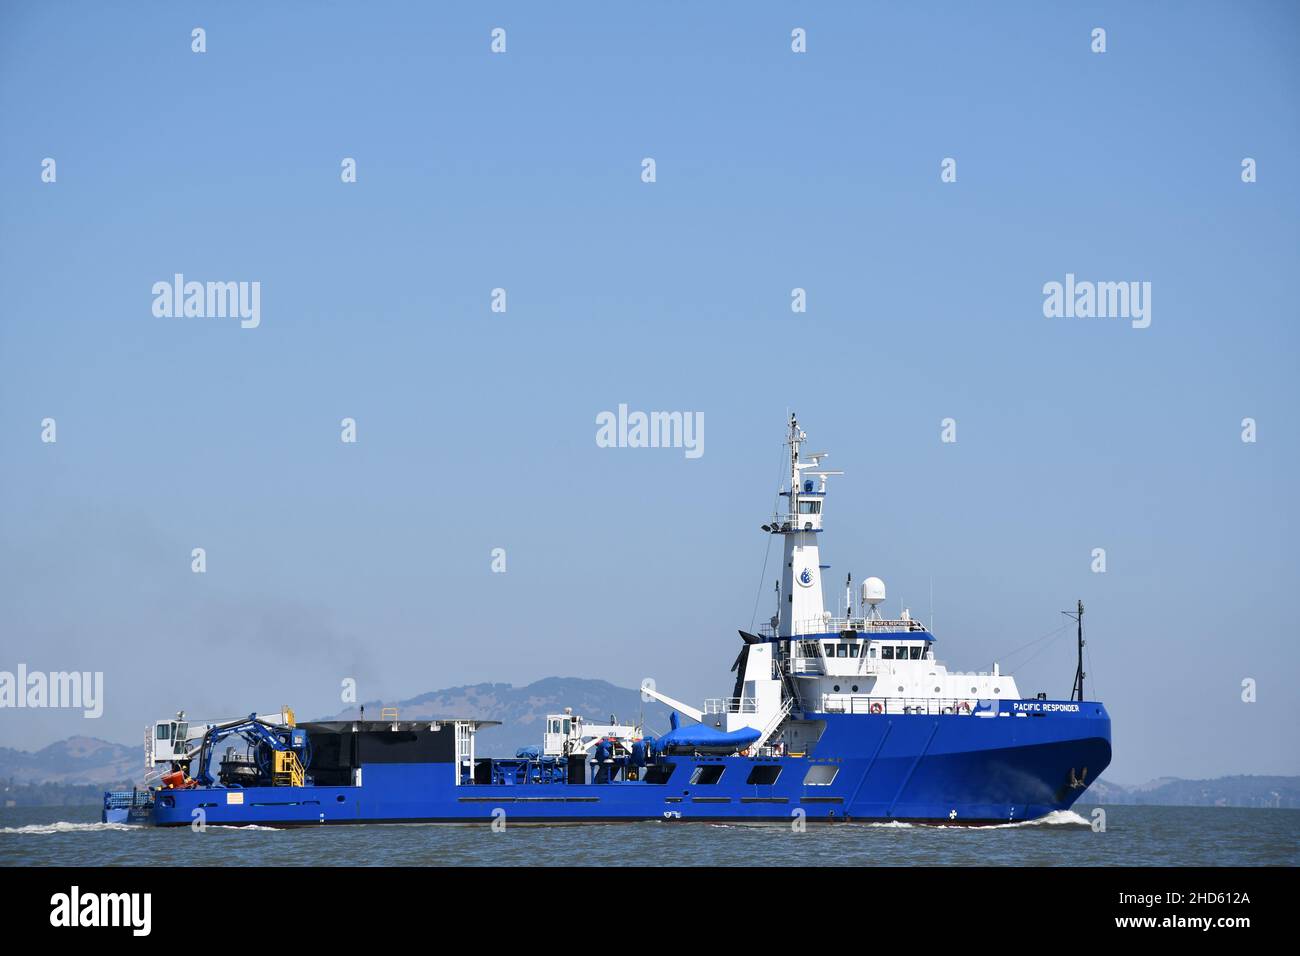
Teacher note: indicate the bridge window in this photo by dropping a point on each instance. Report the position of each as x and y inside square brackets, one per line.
[830, 650]
[901, 653]
[916, 652]
[810, 507]
[706, 775]
[843, 651]
[854, 649]
[886, 653]
[764, 775]
[871, 652]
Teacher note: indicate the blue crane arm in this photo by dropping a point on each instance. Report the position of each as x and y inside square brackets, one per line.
[251, 729]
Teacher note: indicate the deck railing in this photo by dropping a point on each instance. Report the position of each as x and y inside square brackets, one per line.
[731, 705]
[861, 704]
[863, 627]
[127, 799]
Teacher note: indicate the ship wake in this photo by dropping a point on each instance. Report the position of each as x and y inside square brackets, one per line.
[64, 826]
[1055, 818]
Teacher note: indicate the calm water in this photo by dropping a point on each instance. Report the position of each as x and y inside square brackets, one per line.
[1136, 836]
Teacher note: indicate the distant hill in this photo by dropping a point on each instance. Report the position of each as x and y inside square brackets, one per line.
[522, 710]
[1239, 791]
[73, 761]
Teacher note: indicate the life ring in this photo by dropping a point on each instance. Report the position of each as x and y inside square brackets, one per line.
[964, 707]
[876, 708]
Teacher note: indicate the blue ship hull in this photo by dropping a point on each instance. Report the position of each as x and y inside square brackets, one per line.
[951, 769]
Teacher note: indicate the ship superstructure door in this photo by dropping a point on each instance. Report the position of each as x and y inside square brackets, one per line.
[559, 728]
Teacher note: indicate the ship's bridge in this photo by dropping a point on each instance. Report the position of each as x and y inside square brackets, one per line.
[848, 648]
[872, 665]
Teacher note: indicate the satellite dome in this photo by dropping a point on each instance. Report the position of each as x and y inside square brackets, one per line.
[873, 591]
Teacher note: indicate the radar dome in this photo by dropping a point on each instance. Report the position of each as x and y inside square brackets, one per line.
[873, 591]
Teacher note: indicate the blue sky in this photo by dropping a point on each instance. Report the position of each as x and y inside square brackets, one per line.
[477, 430]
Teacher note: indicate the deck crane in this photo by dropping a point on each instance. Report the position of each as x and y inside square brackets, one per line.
[283, 750]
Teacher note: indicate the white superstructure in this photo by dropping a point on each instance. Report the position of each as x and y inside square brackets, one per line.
[807, 661]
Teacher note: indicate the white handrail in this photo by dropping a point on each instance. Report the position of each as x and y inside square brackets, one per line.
[773, 724]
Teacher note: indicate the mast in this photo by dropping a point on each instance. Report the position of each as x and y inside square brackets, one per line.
[795, 436]
[1076, 693]
[800, 608]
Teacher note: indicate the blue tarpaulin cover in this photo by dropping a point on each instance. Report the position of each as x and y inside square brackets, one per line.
[702, 736]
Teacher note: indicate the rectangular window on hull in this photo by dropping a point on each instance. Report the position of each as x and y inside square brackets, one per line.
[764, 775]
[820, 775]
[659, 773]
[706, 775]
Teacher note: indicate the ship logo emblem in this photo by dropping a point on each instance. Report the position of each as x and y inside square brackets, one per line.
[806, 577]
